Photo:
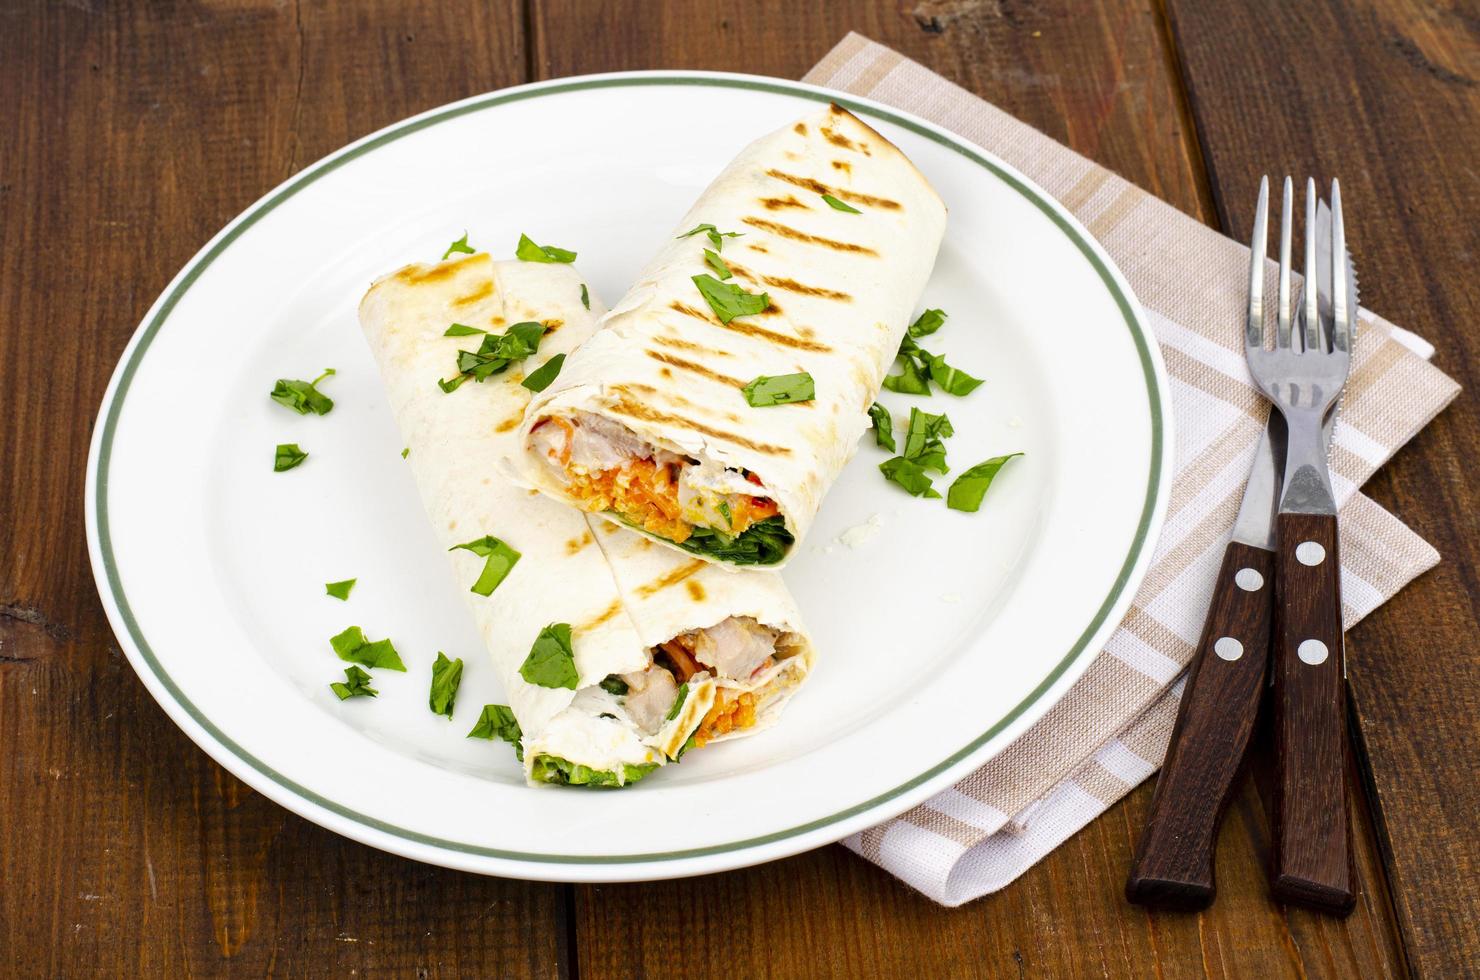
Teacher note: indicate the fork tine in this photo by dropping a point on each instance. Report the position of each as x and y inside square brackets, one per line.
[1282, 311]
[1254, 326]
[1311, 338]
[1341, 317]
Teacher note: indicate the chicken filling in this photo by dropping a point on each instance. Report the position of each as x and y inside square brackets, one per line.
[737, 648]
[606, 467]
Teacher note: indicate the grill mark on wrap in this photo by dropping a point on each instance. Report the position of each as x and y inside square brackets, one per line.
[604, 617]
[786, 231]
[648, 393]
[696, 589]
[637, 410]
[844, 166]
[819, 187]
[678, 343]
[693, 368]
[751, 330]
[508, 424]
[414, 275]
[838, 139]
[672, 578]
[574, 545]
[781, 203]
[792, 286]
[477, 294]
[801, 128]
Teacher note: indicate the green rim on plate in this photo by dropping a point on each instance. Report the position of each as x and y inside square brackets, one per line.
[401, 130]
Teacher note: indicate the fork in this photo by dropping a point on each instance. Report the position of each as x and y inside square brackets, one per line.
[1302, 371]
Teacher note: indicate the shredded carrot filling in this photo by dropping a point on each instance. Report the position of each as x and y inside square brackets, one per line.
[731, 712]
[646, 495]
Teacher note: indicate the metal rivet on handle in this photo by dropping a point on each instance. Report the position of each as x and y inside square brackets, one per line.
[1228, 648]
[1310, 553]
[1312, 652]
[1249, 579]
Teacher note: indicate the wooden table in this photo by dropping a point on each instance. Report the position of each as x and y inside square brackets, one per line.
[129, 133]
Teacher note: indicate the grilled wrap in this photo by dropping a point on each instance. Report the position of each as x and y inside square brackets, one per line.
[648, 424]
[668, 652]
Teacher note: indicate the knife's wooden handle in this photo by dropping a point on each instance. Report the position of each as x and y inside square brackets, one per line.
[1312, 864]
[1173, 866]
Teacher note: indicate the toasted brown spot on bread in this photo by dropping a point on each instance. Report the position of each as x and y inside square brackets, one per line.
[417, 274]
[607, 527]
[475, 295]
[552, 325]
[644, 543]
[674, 577]
[843, 165]
[785, 231]
[801, 128]
[792, 286]
[649, 393]
[842, 193]
[508, 424]
[696, 589]
[678, 343]
[637, 410]
[690, 366]
[757, 248]
[838, 139]
[496, 321]
[606, 615]
[664, 372]
[576, 544]
[782, 203]
[688, 310]
[785, 340]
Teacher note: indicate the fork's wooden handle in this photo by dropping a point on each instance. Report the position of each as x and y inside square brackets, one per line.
[1312, 862]
[1173, 866]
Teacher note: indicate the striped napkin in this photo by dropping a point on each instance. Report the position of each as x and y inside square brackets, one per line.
[1109, 733]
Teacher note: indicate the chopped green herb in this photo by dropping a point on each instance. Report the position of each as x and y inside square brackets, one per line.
[356, 684]
[883, 426]
[718, 264]
[461, 245]
[910, 475]
[970, 487]
[551, 661]
[287, 456]
[446, 676]
[495, 354]
[927, 323]
[763, 543]
[585, 297]
[724, 509]
[303, 396]
[716, 237]
[678, 700]
[539, 379]
[528, 251]
[553, 769]
[462, 330]
[613, 685]
[352, 646]
[838, 205]
[501, 561]
[953, 381]
[728, 300]
[924, 444]
[340, 590]
[780, 390]
[498, 721]
[912, 381]
[406, 452]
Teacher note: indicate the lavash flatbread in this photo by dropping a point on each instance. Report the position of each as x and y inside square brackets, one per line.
[842, 287]
[459, 443]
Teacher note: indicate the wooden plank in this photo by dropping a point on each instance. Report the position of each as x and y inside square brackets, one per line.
[1100, 77]
[1385, 94]
[133, 132]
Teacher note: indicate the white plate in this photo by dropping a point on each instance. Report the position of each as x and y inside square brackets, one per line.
[940, 638]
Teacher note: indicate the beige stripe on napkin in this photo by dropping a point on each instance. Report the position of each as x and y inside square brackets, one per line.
[1111, 729]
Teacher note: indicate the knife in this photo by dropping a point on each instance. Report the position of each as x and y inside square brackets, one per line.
[1173, 863]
